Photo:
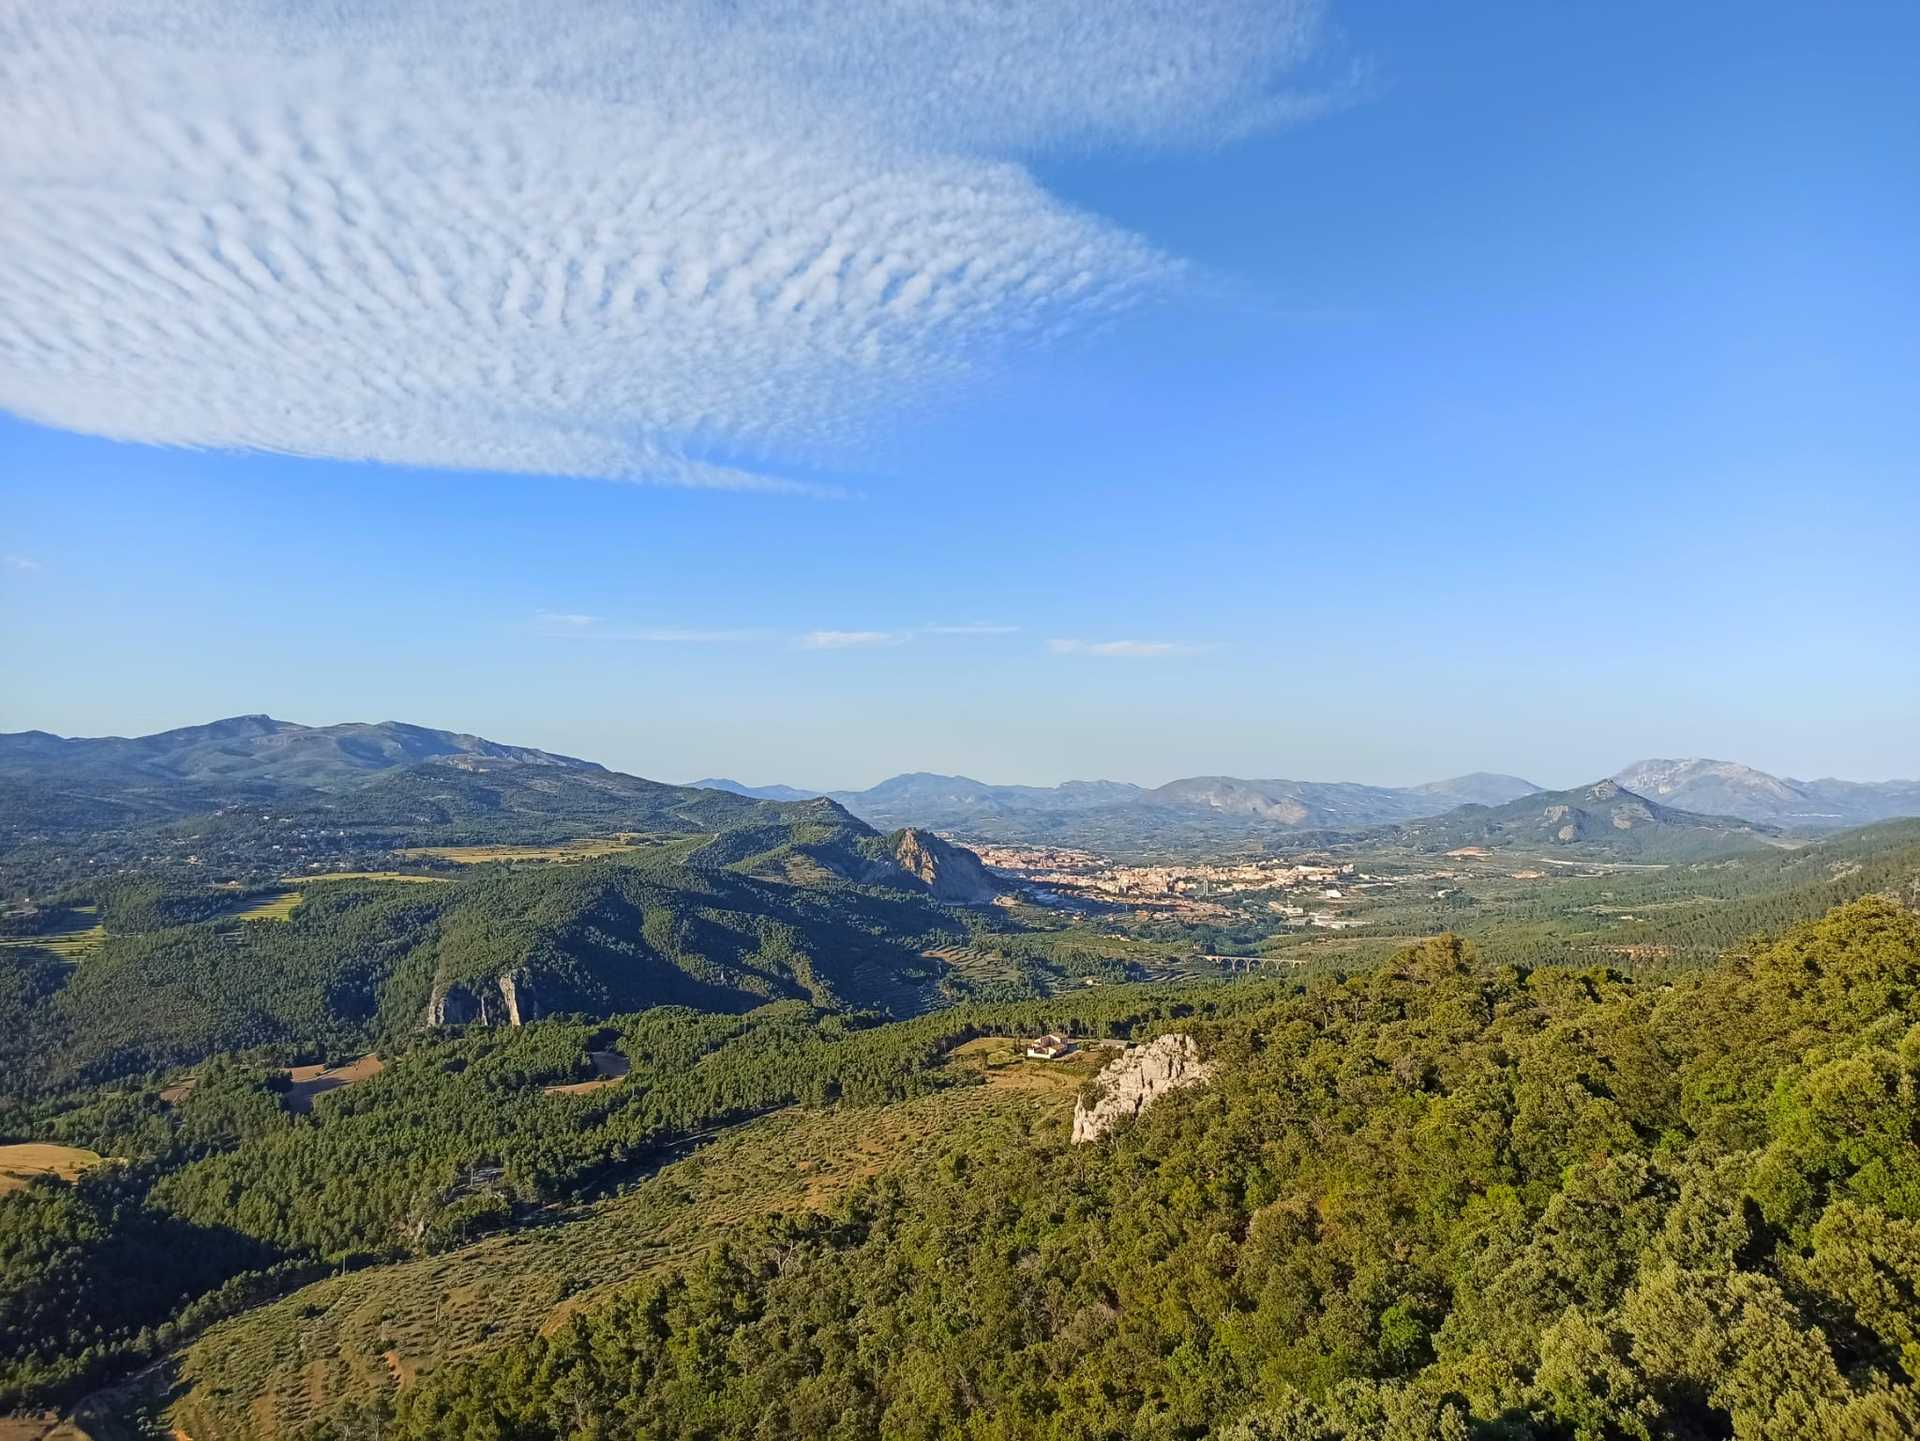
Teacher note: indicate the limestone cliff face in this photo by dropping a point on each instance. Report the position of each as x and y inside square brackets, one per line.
[454, 1005]
[510, 1001]
[517, 994]
[1140, 1077]
[952, 873]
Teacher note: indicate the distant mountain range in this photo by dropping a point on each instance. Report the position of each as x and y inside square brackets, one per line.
[1727, 788]
[1199, 808]
[390, 777]
[254, 748]
[1221, 809]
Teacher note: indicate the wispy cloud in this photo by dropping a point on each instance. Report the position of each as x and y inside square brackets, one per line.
[20, 562]
[852, 639]
[680, 242]
[564, 625]
[680, 635]
[1135, 649]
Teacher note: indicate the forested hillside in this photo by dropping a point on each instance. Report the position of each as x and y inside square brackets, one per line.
[359, 960]
[225, 1192]
[1603, 819]
[1431, 1202]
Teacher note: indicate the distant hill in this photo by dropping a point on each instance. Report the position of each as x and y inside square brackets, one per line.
[1481, 788]
[761, 793]
[1728, 788]
[1603, 819]
[1197, 811]
[253, 748]
[314, 791]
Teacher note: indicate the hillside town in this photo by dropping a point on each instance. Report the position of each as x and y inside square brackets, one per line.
[1194, 890]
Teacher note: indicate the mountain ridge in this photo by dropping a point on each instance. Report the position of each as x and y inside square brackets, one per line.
[1701, 783]
[258, 748]
[1603, 817]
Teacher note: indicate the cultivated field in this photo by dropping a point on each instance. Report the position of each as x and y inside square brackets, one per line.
[276, 1369]
[20, 1163]
[281, 904]
[276, 907]
[71, 942]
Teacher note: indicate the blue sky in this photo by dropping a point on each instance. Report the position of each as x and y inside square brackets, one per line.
[1390, 393]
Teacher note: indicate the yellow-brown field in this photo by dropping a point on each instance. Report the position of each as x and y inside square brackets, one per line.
[311, 1082]
[277, 907]
[22, 1162]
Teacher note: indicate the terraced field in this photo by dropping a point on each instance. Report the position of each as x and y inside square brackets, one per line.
[280, 1367]
[975, 964]
[281, 905]
[277, 907]
[71, 942]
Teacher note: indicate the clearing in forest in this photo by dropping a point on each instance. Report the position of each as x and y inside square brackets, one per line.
[275, 907]
[310, 1082]
[608, 1067]
[20, 1163]
[70, 942]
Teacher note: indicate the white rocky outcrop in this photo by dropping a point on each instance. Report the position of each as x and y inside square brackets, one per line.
[516, 990]
[466, 1003]
[1140, 1076]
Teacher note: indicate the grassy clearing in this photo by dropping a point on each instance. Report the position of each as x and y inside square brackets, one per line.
[275, 1369]
[71, 942]
[310, 1082]
[1002, 1062]
[608, 1067]
[20, 1163]
[582, 850]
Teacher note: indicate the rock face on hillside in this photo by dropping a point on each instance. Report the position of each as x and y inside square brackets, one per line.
[517, 994]
[1140, 1077]
[466, 1003]
[950, 872]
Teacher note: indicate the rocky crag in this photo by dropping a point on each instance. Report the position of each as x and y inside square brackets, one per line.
[463, 1003]
[952, 873]
[1136, 1080]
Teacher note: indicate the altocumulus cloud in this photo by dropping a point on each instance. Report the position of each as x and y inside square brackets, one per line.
[705, 244]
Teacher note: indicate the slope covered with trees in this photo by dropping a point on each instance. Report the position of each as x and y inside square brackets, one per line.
[226, 1194]
[1435, 1201]
[723, 923]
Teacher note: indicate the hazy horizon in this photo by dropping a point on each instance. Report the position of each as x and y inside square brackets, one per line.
[1148, 779]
